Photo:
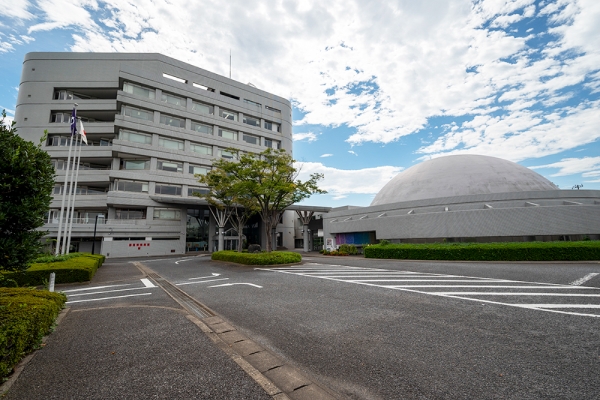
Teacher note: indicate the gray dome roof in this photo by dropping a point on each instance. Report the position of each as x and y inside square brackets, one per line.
[460, 175]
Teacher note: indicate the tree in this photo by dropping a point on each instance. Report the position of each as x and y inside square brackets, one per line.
[267, 182]
[26, 183]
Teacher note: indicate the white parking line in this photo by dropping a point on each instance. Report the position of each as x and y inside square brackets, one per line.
[107, 291]
[562, 305]
[108, 298]
[194, 283]
[94, 288]
[516, 294]
[147, 282]
[583, 280]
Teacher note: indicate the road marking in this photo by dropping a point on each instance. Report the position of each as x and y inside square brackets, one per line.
[94, 288]
[584, 279]
[107, 291]
[192, 283]
[204, 277]
[187, 259]
[348, 275]
[147, 282]
[231, 284]
[108, 298]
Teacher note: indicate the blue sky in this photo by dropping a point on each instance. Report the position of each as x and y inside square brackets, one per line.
[376, 88]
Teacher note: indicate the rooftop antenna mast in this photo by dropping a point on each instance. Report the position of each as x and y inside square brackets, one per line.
[229, 63]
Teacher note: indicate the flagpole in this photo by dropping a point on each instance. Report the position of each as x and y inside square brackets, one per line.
[75, 193]
[64, 191]
[71, 188]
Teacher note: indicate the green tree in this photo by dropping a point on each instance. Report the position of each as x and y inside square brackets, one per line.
[26, 183]
[267, 182]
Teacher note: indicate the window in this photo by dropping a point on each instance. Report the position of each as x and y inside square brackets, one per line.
[228, 154]
[68, 95]
[273, 109]
[203, 108]
[139, 91]
[251, 139]
[252, 103]
[135, 164]
[128, 213]
[138, 113]
[171, 166]
[170, 190]
[203, 87]
[198, 127]
[274, 144]
[227, 114]
[251, 121]
[135, 137]
[131, 186]
[229, 95]
[191, 191]
[167, 213]
[59, 118]
[174, 78]
[228, 134]
[272, 126]
[170, 143]
[201, 149]
[172, 99]
[197, 169]
[172, 121]
[58, 141]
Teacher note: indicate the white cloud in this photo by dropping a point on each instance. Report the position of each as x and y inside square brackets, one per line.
[352, 152]
[586, 166]
[16, 9]
[340, 182]
[308, 136]
[326, 155]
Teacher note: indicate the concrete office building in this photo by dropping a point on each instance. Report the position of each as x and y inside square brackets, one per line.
[468, 198]
[152, 123]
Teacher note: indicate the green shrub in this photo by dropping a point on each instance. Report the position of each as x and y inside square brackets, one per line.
[521, 251]
[348, 249]
[80, 268]
[272, 258]
[26, 315]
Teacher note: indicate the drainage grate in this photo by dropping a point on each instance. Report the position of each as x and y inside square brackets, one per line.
[186, 301]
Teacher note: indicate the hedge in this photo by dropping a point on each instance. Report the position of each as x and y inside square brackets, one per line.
[26, 315]
[521, 251]
[80, 268]
[272, 258]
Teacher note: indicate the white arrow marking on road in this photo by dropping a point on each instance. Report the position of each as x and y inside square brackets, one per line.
[204, 277]
[187, 259]
[584, 279]
[231, 284]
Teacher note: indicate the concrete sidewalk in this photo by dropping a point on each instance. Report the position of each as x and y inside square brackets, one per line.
[132, 350]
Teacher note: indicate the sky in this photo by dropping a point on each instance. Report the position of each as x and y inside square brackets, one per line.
[376, 87]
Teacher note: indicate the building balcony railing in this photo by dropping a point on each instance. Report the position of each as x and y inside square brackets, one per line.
[101, 221]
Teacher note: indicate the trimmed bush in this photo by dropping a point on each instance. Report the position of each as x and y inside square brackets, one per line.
[80, 268]
[272, 258]
[26, 315]
[520, 251]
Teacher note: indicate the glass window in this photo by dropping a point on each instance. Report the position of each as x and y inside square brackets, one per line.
[272, 126]
[228, 114]
[128, 213]
[251, 121]
[170, 143]
[191, 191]
[135, 137]
[63, 118]
[198, 127]
[170, 190]
[138, 90]
[171, 166]
[201, 149]
[172, 121]
[131, 186]
[228, 155]
[274, 144]
[138, 113]
[228, 134]
[273, 109]
[167, 213]
[135, 164]
[251, 139]
[203, 108]
[197, 169]
[172, 99]
[252, 103]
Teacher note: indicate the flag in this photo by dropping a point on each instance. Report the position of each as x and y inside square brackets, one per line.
[82, 132]
[74, 122]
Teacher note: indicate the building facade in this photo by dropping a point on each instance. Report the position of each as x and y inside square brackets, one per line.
[153, 124]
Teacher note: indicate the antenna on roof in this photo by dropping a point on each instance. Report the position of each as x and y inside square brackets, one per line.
[229, 63]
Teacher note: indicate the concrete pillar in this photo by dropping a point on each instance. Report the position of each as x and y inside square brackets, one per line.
[305, 237]
[221, 239]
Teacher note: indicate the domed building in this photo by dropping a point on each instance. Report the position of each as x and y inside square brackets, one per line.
[467, 198]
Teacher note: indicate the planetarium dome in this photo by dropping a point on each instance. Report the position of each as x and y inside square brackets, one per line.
[460, 175]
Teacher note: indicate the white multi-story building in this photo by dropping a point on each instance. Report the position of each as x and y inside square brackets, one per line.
[152, 124]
